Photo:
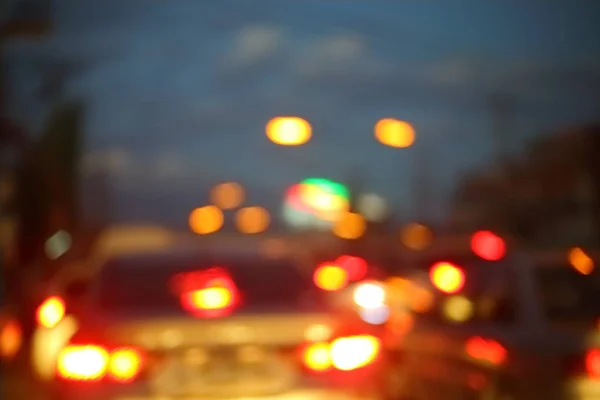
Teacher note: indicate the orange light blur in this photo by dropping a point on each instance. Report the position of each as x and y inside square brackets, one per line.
[447, 277]
[206, 220]
[227, 195]
[11, 339]
[581, 261]
[125, 364]
[330, 277]
[488, 245]
[394, 133]
[51, 312]
[350, 226]
[252, 220]
[486, 350]
[416, 236]
[289, 131]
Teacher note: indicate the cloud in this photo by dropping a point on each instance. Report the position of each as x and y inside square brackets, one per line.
[254, 44]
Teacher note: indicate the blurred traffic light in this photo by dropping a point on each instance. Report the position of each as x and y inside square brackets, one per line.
[447, 277]
[289, 131]
[488, 245]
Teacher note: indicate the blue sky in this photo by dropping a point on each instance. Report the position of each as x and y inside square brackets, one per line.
[179, 91]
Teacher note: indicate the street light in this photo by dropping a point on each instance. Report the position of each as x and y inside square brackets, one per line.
[289, 131]
[251, 220]
[394, 133]
[206, 220]
[227, 195]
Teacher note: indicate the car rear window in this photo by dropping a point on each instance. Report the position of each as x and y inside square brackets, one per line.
[144, 285]
[567, 295]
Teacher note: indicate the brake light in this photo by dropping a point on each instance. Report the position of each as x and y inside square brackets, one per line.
[356, 267]
[592, 363]
[94, 363]
[11, 338]
[51, 312]
[210, 293]
[344, 354]
[330, 277]
[486, 350]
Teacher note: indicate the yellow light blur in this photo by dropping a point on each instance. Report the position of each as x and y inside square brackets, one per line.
[252, 220]
[289, 131]
[458, 309]
[206, 220]
[349, 353]
[350, 226]
[394, 133]
[581, 261]
[124, 364]
[227, 195]
[369, 295]
[416, 236]
[330, 277]
[213, 298]
[317, 357]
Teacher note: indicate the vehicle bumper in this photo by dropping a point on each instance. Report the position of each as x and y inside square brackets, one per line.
[296, 394]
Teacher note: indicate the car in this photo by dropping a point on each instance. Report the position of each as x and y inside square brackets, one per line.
[184, 324]
[518, 328]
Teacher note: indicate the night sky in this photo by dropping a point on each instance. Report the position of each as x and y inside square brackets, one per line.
[179, 91]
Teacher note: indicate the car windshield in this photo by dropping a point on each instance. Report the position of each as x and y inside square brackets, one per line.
[144, 285]
[569, 296]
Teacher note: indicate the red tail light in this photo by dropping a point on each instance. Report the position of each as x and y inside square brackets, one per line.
[344, 353]
[592, 364]
[486, 350]
[210, 293]
[51, 312]
[95, 363]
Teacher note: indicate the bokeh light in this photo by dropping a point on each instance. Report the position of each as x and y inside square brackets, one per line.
[458, 309]
[581, 261]
[350, 226]
[227, 195]
[206, 220]
[447, 277]
[488, 245]
[416, 236]
[330, 277]
[356, 267]
[373, 207]
[394, 133]
[251, 220]
[289, 131]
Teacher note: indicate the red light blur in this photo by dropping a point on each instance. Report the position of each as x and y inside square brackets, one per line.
[487, 350]
[189, 286]
[592, 363]
[488, 245]
[447, 277]
[356, 267]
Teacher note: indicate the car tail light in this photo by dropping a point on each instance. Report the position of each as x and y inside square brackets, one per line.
[94, 363]
[210, 293]
[486, 350]
[51, 312]
[344, 353]
[592, 364]
[11, 339]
